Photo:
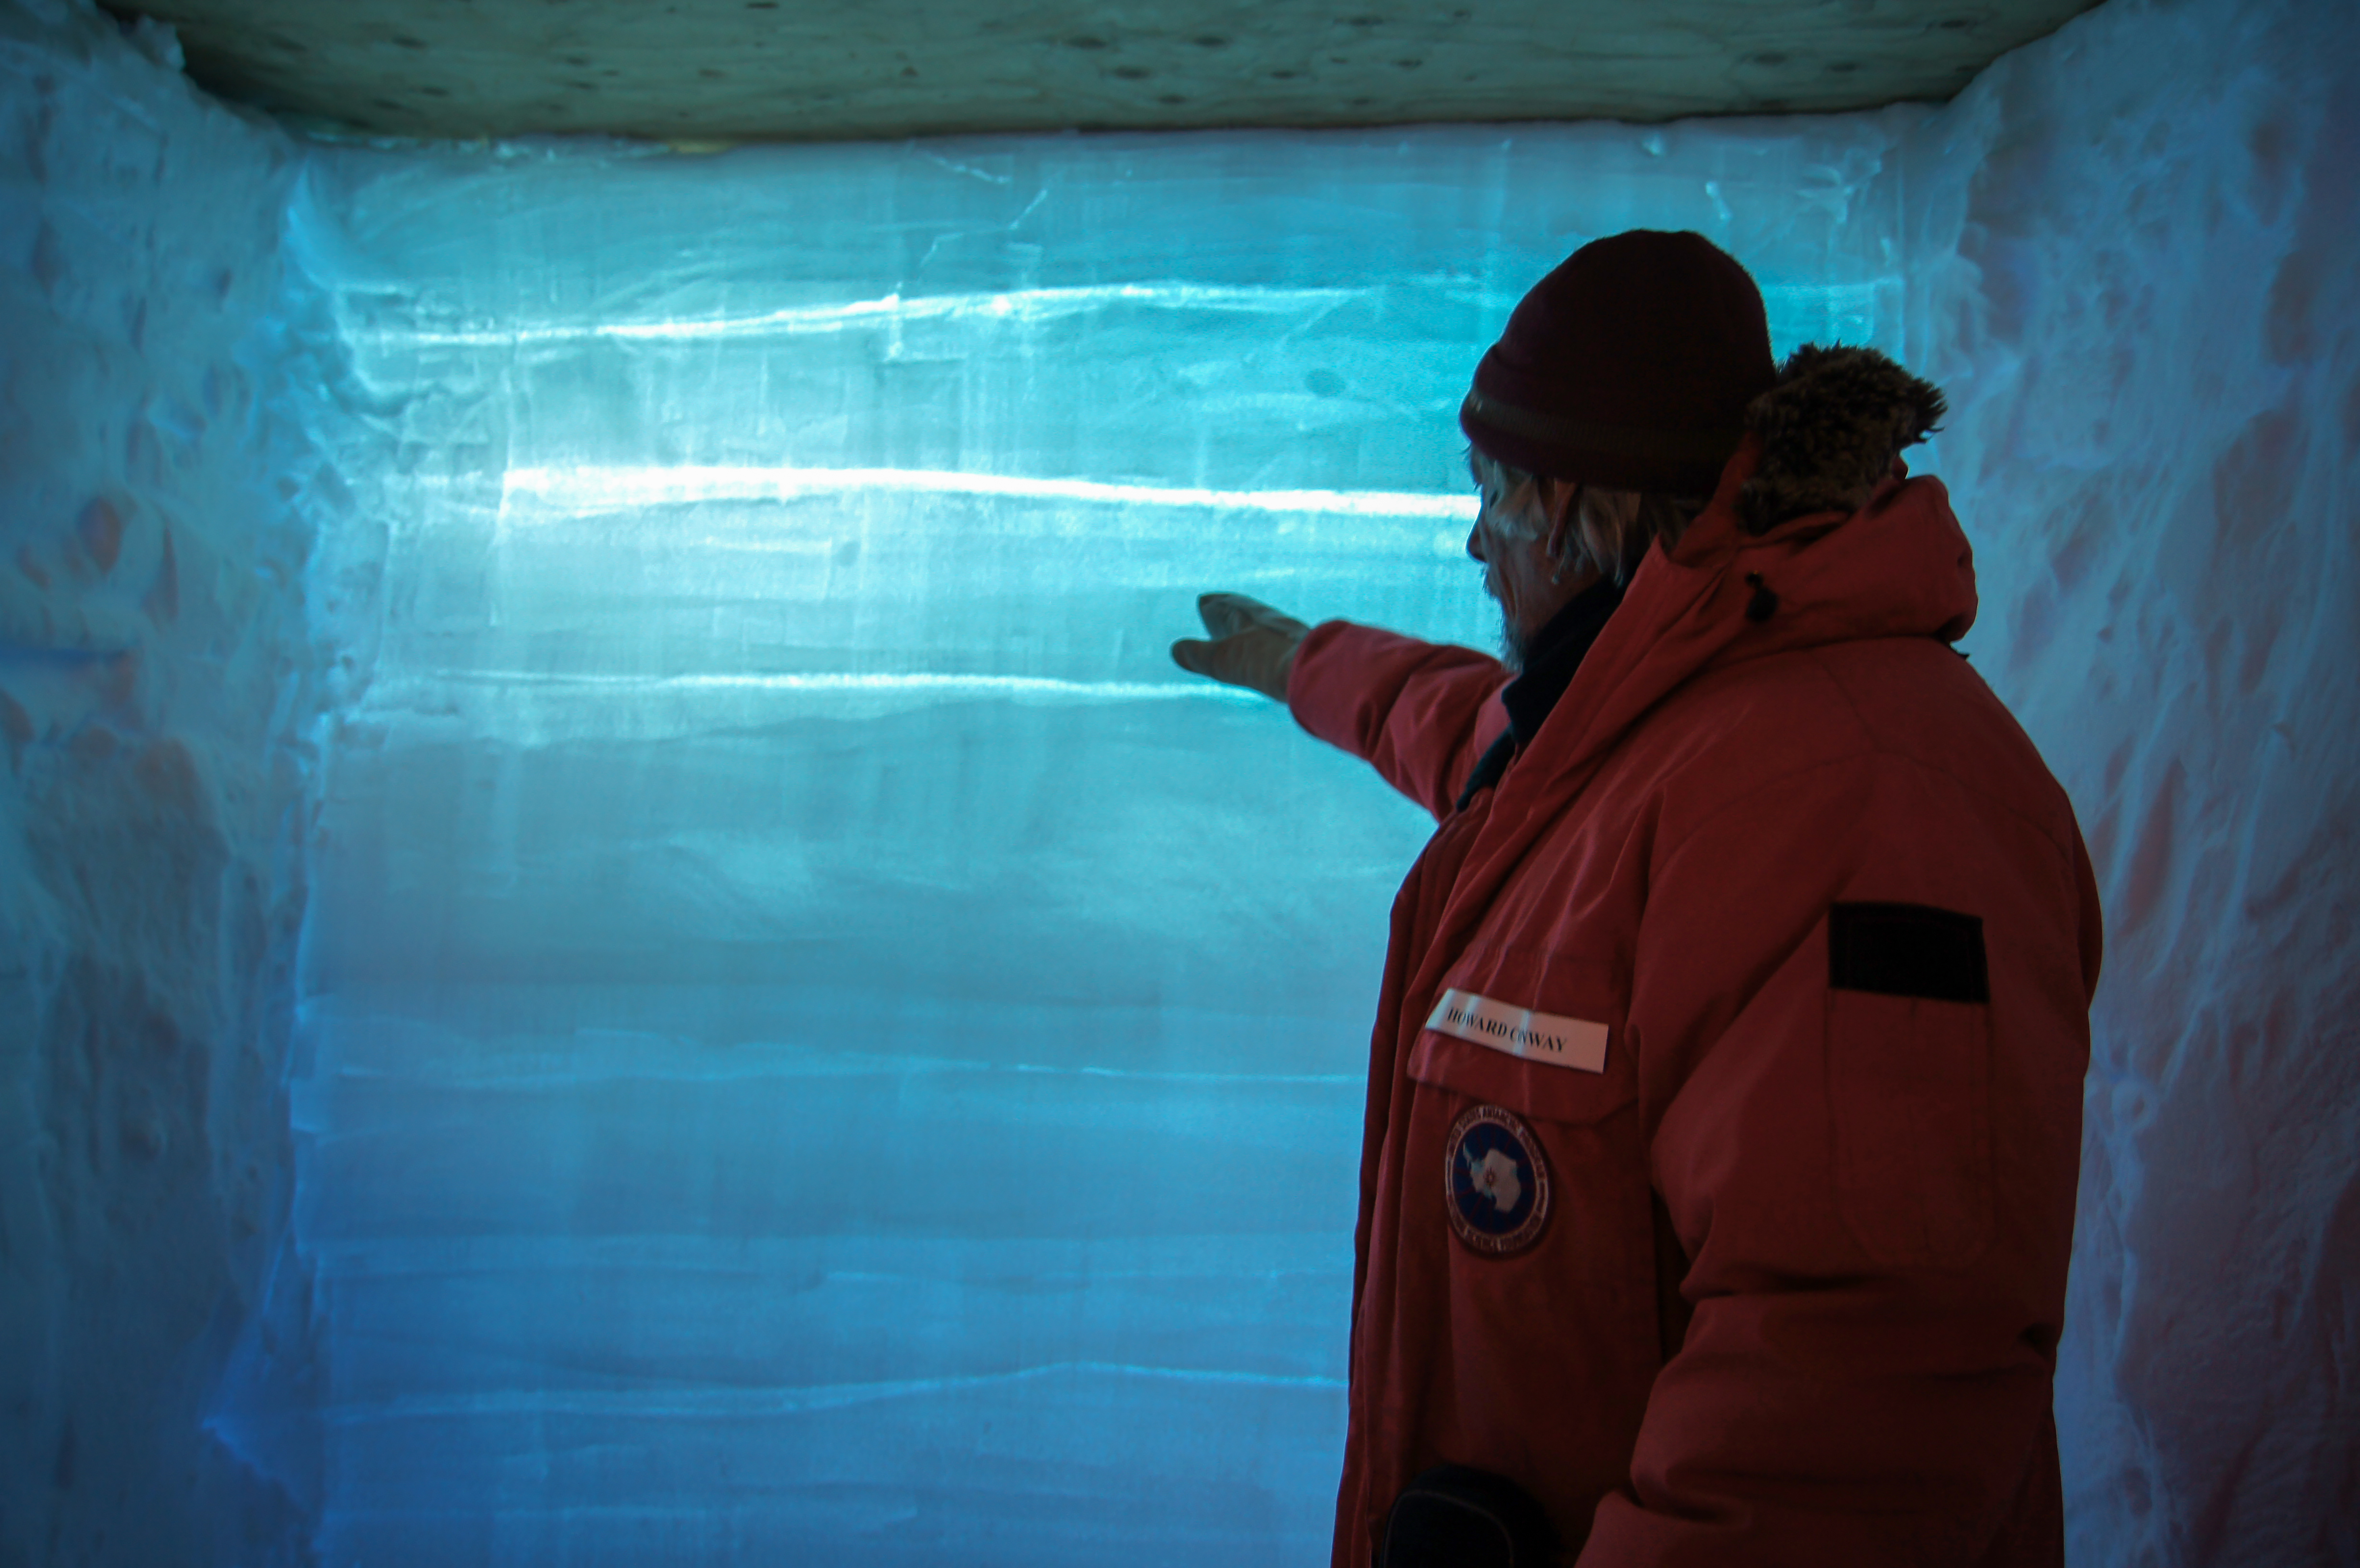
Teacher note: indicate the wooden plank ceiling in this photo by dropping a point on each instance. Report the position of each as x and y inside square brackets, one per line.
[705, 70]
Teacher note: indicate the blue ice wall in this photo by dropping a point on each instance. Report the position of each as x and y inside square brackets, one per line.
[824, 1043]
[158, 496]
[2131, 261]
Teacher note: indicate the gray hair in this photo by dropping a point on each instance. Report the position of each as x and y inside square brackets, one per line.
[1611, 528]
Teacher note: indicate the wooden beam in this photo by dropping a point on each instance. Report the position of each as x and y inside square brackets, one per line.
[796, 69]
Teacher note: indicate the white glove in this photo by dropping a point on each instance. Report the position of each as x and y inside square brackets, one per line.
[1252, 645]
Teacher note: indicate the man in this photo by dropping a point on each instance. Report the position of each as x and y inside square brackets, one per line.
[1725, 1100]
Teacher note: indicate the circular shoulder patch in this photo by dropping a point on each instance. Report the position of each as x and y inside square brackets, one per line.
[1496, 1183]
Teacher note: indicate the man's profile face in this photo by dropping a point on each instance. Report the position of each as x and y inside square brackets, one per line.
[1520, 576]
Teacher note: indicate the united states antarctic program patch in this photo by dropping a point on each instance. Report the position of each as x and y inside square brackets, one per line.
[1497, 1183]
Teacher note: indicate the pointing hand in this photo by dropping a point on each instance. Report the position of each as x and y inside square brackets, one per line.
[1252, 645]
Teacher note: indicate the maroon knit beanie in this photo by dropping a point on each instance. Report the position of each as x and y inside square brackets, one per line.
[1630, 367]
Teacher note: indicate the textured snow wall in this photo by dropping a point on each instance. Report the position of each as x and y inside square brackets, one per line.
[153, 662]
[2133, 267]
[824, 1043]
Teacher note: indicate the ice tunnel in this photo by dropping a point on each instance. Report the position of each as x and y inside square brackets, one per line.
[622, 947]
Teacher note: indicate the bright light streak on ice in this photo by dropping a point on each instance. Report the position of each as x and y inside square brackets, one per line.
[1021, 687]
[532, 707]
[1026, 305]
[650, 486]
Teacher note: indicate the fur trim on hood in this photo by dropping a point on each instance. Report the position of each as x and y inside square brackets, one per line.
[1831, 429]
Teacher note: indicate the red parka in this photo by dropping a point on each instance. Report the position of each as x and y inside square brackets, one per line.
[1792, 1292]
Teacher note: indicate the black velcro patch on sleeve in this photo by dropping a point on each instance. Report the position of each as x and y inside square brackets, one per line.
[1908, 950]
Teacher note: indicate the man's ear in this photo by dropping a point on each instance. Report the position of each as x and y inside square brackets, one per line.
[1562, 500]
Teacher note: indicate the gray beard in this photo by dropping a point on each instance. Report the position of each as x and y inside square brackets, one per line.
[1514, 646]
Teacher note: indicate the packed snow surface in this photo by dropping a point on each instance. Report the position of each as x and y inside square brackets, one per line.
[159, 680]
[2131, 262]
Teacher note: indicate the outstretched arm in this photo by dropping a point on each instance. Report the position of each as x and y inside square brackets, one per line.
[1421, 713]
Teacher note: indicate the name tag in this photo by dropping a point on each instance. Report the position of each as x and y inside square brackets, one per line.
[1519, 1032]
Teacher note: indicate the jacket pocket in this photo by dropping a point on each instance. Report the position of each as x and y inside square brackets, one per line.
[1909, 1100]
[1535, 1162]
[1518, 1266]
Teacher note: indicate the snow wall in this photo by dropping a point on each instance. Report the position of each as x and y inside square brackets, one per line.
[159, 686]
[2130, 254]
[810, 1034]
